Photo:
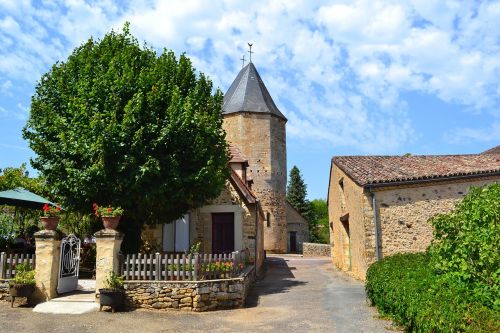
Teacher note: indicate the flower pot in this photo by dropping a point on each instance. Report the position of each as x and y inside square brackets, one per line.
[50, 222]
[20, 290]
[111, 297]
[110, 222]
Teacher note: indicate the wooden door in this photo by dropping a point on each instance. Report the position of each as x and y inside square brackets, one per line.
[222, 232]
[293, 241]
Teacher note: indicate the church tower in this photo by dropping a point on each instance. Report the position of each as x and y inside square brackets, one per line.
[256, 126]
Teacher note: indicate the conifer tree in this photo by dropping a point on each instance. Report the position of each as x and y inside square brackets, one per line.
[296, 193]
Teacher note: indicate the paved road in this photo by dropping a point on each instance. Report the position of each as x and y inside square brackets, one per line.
[297, 295]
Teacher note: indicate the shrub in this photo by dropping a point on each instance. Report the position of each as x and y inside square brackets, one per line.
[25, 274]
[465, 246]
[406, 288]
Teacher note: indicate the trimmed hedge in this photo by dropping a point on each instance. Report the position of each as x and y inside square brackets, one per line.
[405, 287]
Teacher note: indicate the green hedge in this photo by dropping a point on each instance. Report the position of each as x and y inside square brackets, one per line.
[405, 287]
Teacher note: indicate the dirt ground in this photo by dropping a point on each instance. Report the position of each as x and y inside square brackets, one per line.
[296, 295]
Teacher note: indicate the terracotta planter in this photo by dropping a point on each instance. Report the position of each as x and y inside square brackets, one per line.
[50, 222]
[110, 222]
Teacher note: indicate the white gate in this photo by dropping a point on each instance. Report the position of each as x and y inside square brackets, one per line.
[69, 264]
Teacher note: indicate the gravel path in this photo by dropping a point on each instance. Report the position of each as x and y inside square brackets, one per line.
[297, 295]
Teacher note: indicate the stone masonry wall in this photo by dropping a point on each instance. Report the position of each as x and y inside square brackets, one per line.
[316, 250]
[262, 139]
[352, 242]
[4, 290]
[404, 212]
[195, 296]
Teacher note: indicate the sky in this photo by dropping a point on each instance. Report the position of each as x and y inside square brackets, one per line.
[352, 77]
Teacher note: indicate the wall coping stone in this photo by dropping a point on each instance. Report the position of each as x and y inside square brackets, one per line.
[48, 234]
[109, 234]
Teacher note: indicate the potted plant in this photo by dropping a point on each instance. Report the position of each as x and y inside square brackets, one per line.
[110, 215]
[50, 218]
[113, 294]
[23, 284]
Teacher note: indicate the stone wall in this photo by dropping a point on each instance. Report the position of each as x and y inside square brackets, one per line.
[262, 140]
[4, 290]
[352, 241]
[195, 296]
[404, 212]
[316, 250]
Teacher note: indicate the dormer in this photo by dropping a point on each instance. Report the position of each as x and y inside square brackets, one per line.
[238, 163]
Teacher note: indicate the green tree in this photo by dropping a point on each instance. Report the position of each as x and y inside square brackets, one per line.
[296, 193]
[318, 223]
[465, 246]
[120, 125]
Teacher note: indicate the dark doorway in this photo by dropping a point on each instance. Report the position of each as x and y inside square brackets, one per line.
[293, 241]
[222, 232]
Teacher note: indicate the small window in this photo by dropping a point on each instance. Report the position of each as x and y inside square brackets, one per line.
[341, 183]
[268, 219]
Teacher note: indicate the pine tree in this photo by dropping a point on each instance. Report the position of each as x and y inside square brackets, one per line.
[296, 193]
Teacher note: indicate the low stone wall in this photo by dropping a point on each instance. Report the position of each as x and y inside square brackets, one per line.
[316, 250]
[4, 290]
[190, 295]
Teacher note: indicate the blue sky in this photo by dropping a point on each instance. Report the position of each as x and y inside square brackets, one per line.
[352, 77]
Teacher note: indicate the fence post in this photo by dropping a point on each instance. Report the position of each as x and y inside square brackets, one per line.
[234, 256]
[3, 262]
[158, 266]
[195, 259]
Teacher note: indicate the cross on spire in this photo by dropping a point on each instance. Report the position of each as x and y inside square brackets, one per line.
[243, 61]
[250, 50]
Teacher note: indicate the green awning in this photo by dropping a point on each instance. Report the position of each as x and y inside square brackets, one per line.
[20, 197]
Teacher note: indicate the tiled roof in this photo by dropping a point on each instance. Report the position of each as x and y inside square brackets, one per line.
[248, 93]
[244, 190]
[494, 150]
[379, 170]
[236, 155]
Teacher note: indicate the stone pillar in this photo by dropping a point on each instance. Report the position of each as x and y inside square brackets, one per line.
[48, 247]
[108, 244]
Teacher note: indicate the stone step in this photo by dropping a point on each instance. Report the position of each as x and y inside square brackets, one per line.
[77, 296]
[66, 307]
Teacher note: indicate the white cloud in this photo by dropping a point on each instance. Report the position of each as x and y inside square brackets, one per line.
[463, 135]
[336, 69]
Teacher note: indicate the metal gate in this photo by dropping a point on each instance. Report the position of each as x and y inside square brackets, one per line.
[69, 264]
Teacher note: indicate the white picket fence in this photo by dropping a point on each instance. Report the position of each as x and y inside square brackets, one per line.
[181, 267]
[9, 261]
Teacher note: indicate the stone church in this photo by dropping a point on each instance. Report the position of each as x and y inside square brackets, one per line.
[252, 213]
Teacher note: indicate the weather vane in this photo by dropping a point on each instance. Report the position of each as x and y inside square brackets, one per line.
[250, 51]
[243, 61]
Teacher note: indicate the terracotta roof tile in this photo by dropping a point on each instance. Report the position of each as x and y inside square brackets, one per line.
[371, 170]
[494, 150]
[244, 190]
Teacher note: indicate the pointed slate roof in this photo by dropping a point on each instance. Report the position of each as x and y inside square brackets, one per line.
[248, 93]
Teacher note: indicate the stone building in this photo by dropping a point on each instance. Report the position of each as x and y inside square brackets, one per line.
[255, 195]
[380, 205]
[297, 229]
[255, 125]
[232, 222]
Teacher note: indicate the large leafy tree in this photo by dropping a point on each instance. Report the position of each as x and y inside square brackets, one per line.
[296, 193]
[119, 124]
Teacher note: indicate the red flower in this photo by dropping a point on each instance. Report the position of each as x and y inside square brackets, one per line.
[46, 208]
